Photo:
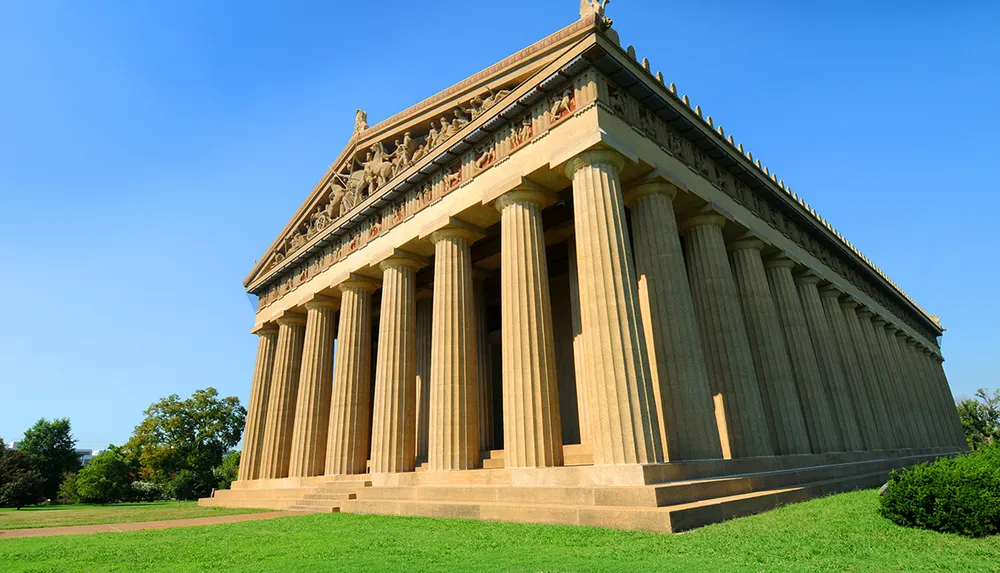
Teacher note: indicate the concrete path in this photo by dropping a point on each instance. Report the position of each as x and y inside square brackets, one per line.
[119, 527]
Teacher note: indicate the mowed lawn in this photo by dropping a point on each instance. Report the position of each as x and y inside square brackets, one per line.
[837, 533]
[85, 514]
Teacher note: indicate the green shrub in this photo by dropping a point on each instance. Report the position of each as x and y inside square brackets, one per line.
[956, 495]
[145, 491]
[105, 479]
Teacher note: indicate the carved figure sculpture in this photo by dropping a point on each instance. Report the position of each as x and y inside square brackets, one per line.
[562, 104]
[360, 121]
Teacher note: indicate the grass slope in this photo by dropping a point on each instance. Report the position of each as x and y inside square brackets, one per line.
[86, 514]
[837, 533]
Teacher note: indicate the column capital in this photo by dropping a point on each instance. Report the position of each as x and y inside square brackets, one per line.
[901, 334]
[848, 301]
[264, 328]
[749, 241]
[425, 292]
[406, 259]
[807, 277]
[322, 301]
[910, 341]
[592, 157]
[290, 318]
[359, 283]
[877, 320]
[646, 188]
[457, 228]
[780, 261]
[863, 312]
[527, 191]
[703, 217]
[830, 290]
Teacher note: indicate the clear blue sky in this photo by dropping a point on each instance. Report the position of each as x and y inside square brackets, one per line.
[150, 151]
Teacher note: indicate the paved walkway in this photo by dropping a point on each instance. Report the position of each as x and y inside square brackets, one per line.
[119, 527]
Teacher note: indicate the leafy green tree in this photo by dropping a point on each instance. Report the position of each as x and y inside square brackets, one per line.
[980, 417]
[54, 448]
[20, 481]
[180, 442]
[106, 479]
[67, 490]
[227, 472]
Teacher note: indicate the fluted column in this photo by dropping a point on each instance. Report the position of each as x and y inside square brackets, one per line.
[816, 408]
[312, 410]
[731, 370]
[951, 414]
[677, 364]
[857, 328]
[276, 452]
[830, 369]
[625, 428]
[484, 365]
[916, 397]
[350, 407]
[454, 410]
[425, 316]
[394, 420]
[902, 406]
[580, 358]
[930, 399]
[531, 426]
[770, 353]
[253, 433]
[861, 397]
[882, 377]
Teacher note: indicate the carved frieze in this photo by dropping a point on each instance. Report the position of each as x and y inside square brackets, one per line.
[362, 179]
[766, 205]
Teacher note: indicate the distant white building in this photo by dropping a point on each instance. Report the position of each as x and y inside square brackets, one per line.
[84, 454]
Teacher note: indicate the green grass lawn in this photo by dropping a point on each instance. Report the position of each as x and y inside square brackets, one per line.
[837, 533]
[86, 514]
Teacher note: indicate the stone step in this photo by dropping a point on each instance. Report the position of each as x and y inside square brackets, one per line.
[330, 496]
[314, 509]
[306, 502]
[674, 518]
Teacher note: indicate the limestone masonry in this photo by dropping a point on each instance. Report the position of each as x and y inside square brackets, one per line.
[559, 294]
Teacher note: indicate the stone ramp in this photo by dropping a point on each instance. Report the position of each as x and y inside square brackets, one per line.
[661, 507]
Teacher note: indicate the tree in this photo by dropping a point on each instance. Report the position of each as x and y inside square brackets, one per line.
[54, 448]
[980, 418]
[106, 479]
[20, 480]
[180, 442]
[67, 490]
[227, 472]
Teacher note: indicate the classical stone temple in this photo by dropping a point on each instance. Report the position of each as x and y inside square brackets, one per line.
[555, 292]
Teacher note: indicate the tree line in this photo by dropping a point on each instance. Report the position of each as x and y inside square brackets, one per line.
[182, 450]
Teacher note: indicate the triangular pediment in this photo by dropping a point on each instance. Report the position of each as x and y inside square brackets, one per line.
[400, 147]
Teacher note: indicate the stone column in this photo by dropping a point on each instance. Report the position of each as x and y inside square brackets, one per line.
[885, 379]
[253, 434]
[677, 364]
[484, 365]
[531, 426]
[916, 399]
[350, 407]
[312, 411]
[623, 417]
[580, 376]
[951, 414]
[930, 399]
[453, 443]
[830, 366]
[394, 421]
[904, 404]
[770, 353]
[425, 315]
[858, 324]
[276, 453]
[862, 399]
[731, 371]
[816, 408]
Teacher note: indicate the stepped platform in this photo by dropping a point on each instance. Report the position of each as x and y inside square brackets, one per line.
[668, 497]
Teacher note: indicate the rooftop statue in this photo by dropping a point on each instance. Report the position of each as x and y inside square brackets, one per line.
[588, 7]
[360, 121]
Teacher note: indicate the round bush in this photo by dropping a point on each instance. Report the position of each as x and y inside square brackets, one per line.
[954, 495]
